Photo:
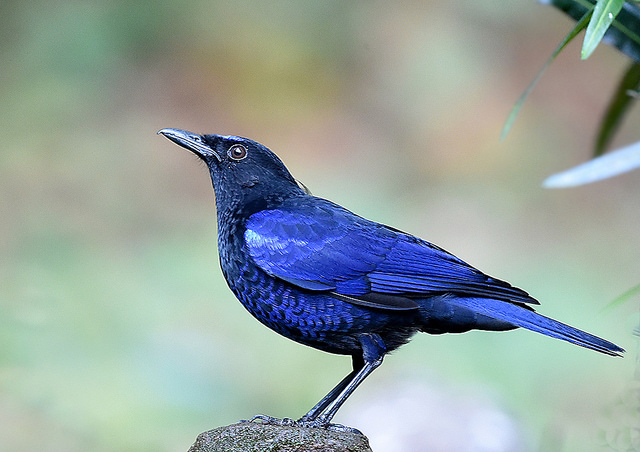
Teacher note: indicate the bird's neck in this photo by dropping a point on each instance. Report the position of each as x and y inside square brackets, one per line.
[233, 213]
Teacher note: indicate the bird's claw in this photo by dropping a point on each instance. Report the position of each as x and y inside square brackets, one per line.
[268, 420]
[343, 429]
[288, 422]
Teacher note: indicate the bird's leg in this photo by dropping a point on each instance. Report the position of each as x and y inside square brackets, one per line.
[309, 418]
[325, 418]
[373, 351]
[313, 413]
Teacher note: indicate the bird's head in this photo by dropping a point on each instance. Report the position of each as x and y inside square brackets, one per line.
[245, 174]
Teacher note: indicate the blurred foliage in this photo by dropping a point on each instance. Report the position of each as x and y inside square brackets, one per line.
[581, 25]
[618, 23]
[618, 107]
[117, 330]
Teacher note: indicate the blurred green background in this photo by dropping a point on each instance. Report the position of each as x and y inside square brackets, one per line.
[117, 331]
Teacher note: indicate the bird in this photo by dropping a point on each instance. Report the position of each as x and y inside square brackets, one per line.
[323, 276]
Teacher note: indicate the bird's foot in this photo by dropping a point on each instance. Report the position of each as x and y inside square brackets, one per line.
[343, 429]
[321, 422]
[268, 420]
[316, 423]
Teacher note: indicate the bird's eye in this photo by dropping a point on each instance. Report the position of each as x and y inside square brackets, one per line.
[237, 152]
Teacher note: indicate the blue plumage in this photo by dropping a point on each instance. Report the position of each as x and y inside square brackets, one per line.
[323, 246]
[323, 276]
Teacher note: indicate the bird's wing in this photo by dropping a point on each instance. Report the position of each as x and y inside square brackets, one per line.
[320, 246]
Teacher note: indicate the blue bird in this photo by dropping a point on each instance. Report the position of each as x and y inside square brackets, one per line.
[325, 277]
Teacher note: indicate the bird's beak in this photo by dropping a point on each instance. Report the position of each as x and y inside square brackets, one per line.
[190, 141]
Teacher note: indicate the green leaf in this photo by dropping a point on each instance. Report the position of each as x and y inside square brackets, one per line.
[624, 298]
[580, 25]
[618, 106]
[603, 15]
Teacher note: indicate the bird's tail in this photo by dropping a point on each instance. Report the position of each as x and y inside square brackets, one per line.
[531, 320]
